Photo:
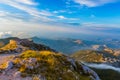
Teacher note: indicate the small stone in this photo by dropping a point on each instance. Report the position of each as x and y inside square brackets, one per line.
[32, 60]
[17, 74]
[9, 65]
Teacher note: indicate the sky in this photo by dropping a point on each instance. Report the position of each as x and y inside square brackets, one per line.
[59, 18]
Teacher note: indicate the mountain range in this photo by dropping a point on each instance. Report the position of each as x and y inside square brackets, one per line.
[69, 45]
[103, 56]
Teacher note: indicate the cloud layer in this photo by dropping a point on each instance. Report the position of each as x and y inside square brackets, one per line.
[14, 34]
[103, 66]
[5, 34]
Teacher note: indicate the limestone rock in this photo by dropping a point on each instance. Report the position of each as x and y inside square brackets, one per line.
[9, 65]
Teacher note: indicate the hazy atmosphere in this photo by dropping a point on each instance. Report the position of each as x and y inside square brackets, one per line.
[66, 18]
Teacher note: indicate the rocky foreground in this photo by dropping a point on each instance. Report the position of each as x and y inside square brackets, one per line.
[26, 60]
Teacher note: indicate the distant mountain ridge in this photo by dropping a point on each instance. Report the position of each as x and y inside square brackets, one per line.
[20, 45]
[66, 45]
[69, 46]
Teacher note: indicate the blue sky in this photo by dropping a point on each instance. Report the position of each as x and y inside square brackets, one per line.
[59, 18]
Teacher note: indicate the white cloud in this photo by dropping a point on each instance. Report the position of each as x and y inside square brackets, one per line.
[2, 13]
[15, 25]
[41, 14]
[7, 15]
[93, 3]
[5, 34]
[43, 29]
[14, 34]
[93, 25]
[29, 8]
[63, 11]
[103, 66]
[21, 35]
[28, 2]
[59, 11]
[61, 17]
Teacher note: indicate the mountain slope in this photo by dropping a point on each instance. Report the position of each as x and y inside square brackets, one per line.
[88, 56]
[105, 63]
[96, 56]
[38, 62]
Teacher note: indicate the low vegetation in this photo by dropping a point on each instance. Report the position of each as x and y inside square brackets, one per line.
[88, 56]
[49, 65]
[11, 46]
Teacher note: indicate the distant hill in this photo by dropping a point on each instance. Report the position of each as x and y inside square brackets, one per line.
[96, 57]
[69, 46]
[99, 57]
[88, 56]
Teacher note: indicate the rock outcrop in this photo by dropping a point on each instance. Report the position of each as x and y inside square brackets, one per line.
[9, 65]
[21, 45]
[47, 65]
